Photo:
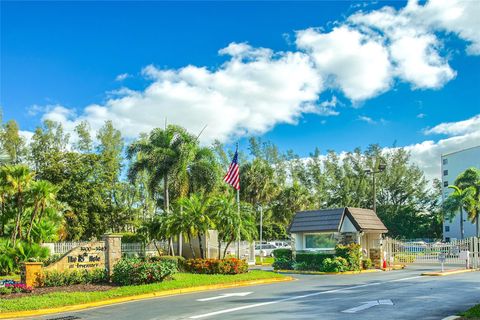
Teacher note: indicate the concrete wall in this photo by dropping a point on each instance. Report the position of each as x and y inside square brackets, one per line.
[456, 163]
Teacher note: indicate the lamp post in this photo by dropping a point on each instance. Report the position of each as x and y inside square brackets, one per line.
[381, 168]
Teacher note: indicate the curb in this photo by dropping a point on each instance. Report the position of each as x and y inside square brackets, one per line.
[447, 273]
[326, 273]
[41, 312]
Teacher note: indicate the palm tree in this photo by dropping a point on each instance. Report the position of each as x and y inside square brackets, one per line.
[197, 206]
[457, 201]
[43, 194]
[18, 177]
[470, 178]
[230, 223]
[174, 156]
[183, 222]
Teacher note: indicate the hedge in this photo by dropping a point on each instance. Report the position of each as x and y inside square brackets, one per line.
[216, 266]
[285, 254]
[130, 271]
[311, 261]
[67, 278]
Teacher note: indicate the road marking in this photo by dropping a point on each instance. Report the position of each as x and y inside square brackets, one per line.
[261, 304]
[369, 304]
[226, 295]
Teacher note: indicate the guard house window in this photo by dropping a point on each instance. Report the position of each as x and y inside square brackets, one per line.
[445, 183]
[321, 241]
[447, 228]
[447, 239]
[445, 161]
[445, 172]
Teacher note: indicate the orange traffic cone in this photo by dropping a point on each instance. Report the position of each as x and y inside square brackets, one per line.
[384, 264]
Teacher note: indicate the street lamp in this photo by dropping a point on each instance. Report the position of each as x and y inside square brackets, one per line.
[381, 167]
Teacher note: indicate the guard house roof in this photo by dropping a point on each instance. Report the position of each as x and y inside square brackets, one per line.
[330, 220]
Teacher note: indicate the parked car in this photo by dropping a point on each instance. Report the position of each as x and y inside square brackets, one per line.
[267, 250]
[281, 244]
[415, 246]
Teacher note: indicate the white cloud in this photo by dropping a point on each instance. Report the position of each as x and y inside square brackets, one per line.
[258, 88]
[355, 63]
[471, 125]
[367, 119]
[122, 77]
[421, 115]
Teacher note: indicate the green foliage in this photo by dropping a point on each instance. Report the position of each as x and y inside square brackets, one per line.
[312, 261]
[367, 264]
[11, 256]
[216, 266]
[283, 263]
[178, 260]
[129, 237]
[283, 254]
[66, 278]
[51, 259]
[5, 290]
[130, 271]
[337, 264]
[352, 253]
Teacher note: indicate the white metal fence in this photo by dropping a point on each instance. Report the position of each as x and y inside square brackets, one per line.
[457, 252]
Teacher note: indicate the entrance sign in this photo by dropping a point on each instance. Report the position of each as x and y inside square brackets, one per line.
[88, 256]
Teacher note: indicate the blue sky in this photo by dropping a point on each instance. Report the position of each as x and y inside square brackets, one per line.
[311, 89]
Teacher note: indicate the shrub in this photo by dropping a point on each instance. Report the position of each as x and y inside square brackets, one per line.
[51, 259]
[337, 264]
[5, 290]
[66, 278]
[312, 261]
[216, 266]
[282, 264]
[19, 288]
[135, 271]
[367, 264]
[302, 266]
[352, 253]
[178, 260]
[130, 237]
[285, 254]
[12, 256]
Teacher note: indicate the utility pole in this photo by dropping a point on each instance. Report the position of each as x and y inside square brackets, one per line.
[381, 168]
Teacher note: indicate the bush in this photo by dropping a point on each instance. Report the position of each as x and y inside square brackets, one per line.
[178, 260]
[135, 271]
[312, 261]
[12, 256]
[337, 264]
[66, 278]
[367, 264]
[5, 290]
[19, 288]
[285, 254]
[216, 266]
[282, 264]
[51, 259]
[352, 253]
[130, 237]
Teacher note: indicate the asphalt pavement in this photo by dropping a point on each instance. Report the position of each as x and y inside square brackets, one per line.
[402, 294]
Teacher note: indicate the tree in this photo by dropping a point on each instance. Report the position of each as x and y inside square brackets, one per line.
[457, 201]
[18, 178]
[470, 180]
[12, 143]
[44, 196]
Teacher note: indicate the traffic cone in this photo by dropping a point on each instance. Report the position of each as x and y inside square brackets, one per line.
[384, 264]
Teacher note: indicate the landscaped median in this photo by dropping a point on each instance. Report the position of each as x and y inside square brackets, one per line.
[325, 273]
[181, 283]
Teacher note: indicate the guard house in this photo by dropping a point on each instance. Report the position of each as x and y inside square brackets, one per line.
[321, 230]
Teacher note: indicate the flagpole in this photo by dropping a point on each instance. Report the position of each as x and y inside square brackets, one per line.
[238, 229]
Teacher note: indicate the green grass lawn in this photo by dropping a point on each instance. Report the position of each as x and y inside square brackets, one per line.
[181, 280]
[472, 313]
[267, 260]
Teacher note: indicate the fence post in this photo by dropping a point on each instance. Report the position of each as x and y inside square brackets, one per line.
[113, 251]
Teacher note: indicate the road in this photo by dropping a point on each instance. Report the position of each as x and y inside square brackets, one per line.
[382, 295]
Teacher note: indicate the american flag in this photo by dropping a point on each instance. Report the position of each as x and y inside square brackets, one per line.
[233, 177]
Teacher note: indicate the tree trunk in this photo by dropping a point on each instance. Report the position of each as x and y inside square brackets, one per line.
[170, 246]
[17, 223]
[166, 200]
[477, 224]
[190, 245]
[200, 245]
[226, 247]
[462, 231]
[34, 215]
[219, 249]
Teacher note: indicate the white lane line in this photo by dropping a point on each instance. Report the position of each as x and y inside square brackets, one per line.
[261, 304]
[226, 295]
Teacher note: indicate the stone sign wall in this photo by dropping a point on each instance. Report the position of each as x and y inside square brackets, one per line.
[88, 256]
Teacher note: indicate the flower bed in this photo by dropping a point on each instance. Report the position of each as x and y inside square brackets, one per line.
[11, 287]
[216, 266]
